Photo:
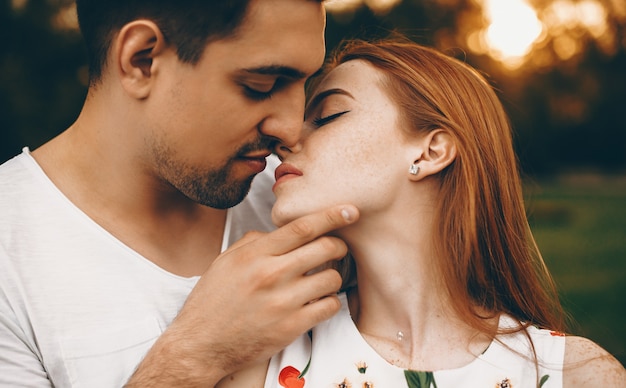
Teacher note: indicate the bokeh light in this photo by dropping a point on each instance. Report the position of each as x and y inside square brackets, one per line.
[513, 28]
[65, 18]
[18, 4]
[377, 6]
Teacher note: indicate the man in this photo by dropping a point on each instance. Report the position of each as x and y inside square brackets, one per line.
[111, 233]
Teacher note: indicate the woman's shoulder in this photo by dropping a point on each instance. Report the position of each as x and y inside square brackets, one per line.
[587, 364]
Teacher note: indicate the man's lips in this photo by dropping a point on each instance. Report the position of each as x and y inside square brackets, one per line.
[261, 154]
[284, 172]
[256, 160]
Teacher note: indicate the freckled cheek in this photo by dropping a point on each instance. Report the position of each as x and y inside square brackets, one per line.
[336, 163]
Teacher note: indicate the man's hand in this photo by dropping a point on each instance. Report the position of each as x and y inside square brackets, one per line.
[254, 299]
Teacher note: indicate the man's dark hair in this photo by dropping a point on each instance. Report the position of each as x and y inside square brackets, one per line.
[189, 25]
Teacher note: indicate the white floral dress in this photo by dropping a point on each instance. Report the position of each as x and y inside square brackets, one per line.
[339, 357]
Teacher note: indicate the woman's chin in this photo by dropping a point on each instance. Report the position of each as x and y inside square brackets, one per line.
[282, 215]
[280, 218]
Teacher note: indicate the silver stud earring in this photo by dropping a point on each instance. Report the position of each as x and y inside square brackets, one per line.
[414, 169]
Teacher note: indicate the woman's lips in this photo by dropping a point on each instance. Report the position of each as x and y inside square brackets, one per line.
[285, 172]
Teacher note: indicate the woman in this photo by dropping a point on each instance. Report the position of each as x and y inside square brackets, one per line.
[444, 284]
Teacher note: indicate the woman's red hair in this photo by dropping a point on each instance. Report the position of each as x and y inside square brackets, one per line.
[489, 260]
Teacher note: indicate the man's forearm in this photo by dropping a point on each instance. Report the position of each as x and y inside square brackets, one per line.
[172, 362]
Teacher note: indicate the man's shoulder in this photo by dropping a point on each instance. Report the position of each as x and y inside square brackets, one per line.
[15, 176]
[13, 165]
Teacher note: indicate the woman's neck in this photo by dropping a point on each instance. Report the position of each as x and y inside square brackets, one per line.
[400, 305]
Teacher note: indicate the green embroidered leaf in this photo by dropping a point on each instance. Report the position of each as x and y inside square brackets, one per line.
[306, 369]
[420, 379]
[543, 380]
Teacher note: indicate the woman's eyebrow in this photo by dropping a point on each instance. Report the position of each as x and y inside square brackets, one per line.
[319, 97]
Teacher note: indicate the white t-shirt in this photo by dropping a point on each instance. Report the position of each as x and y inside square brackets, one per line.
[78, 308]
[337, 356]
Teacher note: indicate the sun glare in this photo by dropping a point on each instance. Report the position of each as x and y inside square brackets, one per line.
[513, 28]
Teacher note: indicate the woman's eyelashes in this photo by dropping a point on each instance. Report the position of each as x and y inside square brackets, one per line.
[320, 121]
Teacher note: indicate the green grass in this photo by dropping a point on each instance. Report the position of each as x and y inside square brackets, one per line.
[579, 223]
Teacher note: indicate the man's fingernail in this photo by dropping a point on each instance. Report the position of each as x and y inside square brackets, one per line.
[347, 214]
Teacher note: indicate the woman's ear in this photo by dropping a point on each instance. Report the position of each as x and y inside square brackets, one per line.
[138, 44]
[437, 151]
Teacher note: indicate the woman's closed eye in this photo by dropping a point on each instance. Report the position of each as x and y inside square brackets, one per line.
[320, 121]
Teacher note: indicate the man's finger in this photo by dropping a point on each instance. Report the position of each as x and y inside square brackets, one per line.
[317, 286]
[307, 228]
[318, 311]
[315, 254]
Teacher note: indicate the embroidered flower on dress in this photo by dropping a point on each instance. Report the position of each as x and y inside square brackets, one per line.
[344, 384]
[368, 384]
[361, 366]
[506, 383]
[290, 377]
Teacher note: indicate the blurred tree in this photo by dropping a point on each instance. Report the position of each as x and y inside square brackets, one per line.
[40, 63]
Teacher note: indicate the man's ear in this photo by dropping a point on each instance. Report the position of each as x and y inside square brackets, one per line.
[138, 44]
[437, 151]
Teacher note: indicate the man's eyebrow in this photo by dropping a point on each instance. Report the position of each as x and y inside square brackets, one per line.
[319, 97]
[277, 70]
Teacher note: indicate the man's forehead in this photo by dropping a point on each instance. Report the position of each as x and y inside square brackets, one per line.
[277, 37]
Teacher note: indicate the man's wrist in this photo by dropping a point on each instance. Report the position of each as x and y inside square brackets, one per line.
[172, 361]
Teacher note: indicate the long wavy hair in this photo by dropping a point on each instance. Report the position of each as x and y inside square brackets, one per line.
[489, 258]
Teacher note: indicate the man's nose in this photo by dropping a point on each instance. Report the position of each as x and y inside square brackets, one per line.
[284, 151]
[285, 120]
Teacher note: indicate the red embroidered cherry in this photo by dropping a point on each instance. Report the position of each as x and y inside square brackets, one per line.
[289, 378]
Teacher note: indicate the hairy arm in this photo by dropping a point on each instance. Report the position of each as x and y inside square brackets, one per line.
[249, 377]
[253, 301]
